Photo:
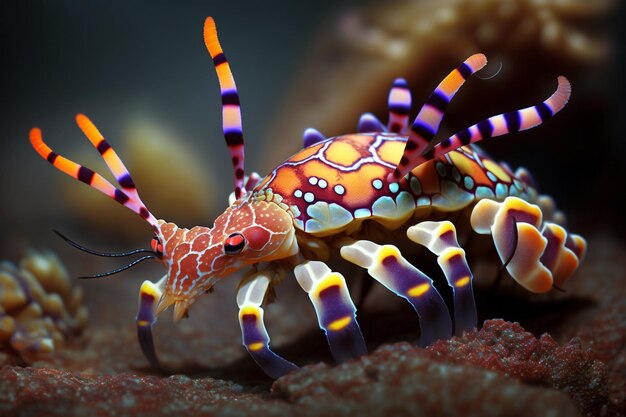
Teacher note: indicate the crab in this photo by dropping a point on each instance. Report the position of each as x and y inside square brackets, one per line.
[358, 197]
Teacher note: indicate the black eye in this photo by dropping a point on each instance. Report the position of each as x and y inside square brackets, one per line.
[156, 246]
[234, 244]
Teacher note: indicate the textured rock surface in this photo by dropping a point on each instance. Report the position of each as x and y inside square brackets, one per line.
[502, 369]
[61, 393]
[507, 348]
[401, 380]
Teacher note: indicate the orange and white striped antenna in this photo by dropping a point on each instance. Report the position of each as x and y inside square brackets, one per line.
[231, 110]
[127, 193]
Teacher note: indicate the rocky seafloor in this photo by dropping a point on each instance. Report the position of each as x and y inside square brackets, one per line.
[566, 357]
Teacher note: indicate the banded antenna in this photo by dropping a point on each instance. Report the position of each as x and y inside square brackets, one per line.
[231, 110]
[126, 195]
[502, 124]
[426, 124]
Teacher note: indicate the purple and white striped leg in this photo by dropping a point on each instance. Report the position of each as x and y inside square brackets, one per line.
[250, 296]
[440, 239]
[149, 297]
[336, 313]
[387, 265]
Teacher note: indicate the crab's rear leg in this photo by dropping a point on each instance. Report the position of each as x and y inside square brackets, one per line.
[335, 310]
[387, 265]
[149, 296]
[537, 257]
[250, 296]
[440, 239]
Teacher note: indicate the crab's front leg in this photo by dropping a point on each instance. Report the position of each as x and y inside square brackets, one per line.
[387, 265]
[335, 310]
[149, 297]
[250, 296]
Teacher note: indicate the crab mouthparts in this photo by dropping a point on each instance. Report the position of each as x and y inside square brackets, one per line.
[181, 306]
[181, 309]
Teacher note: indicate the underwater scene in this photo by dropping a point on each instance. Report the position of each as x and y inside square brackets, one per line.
[365, 208]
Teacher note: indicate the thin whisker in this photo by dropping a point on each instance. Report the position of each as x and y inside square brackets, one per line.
[105, 254]
[130, 265]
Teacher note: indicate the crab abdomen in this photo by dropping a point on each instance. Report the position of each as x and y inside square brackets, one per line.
[333, 183]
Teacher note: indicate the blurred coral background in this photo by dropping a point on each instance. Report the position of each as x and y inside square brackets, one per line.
[141, 72]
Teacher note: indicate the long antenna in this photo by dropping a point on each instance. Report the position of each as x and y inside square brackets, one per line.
[116, 271]
[126, 196]
[231, 110]
[105, 254]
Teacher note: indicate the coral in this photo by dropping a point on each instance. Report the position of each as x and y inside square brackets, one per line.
[39, 309]
[356, 57]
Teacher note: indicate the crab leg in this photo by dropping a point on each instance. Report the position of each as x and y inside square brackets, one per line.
[440, 239]
[387, 265]
[563, 252]
[536, 259]
[149, 297]
[335, 310]
[254, 335]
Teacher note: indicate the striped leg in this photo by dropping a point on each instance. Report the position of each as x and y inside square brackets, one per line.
[440, 239]
[537, 259]
[149, 297]
[335, 310]
[387, 265]
[254, 335]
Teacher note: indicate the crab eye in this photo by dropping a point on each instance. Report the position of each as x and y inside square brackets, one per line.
[156, 246]
[234, 244]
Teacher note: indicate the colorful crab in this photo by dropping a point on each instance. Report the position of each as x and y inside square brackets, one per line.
[360, 196]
